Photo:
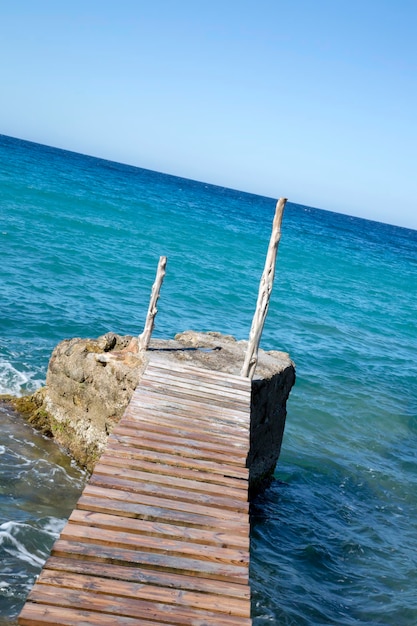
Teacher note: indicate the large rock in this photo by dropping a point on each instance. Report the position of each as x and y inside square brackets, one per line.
[88, 386]
[90, 382]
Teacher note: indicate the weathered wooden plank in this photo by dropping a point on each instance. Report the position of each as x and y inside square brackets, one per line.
[118, 493]
[40, 614]
[176, 564]
[123, 589]
[220, 380]
[158, 514]
[149, 442]
[157, 414]
[122, 458]
[194, 394]
[172, 425]
[169, 396]
[108, 467]
[158, 433]
[151, 577]
[140, 484]
[130, 607]
[177, 460]
[212, 423]
[117, 523]
[219, 425]
[209, 386]
[158, 545]
[194, 371]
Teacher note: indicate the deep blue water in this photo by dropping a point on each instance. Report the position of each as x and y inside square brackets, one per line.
[334, 539]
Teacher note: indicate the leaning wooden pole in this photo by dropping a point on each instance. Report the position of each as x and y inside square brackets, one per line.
[145, 337]
[265, 288]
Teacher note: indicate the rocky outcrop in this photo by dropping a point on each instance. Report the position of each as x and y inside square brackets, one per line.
[90, 382]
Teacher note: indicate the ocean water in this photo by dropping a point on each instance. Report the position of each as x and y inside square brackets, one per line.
[334, 539]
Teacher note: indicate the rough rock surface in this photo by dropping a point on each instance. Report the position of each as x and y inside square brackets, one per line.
[90, 382]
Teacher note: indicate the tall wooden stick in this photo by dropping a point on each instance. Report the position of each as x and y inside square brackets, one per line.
[145, 337]
[265, 288]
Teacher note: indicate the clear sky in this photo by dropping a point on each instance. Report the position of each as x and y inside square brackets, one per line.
[315, 100]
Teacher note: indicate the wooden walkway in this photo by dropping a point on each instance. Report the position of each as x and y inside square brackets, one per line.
[160, 534]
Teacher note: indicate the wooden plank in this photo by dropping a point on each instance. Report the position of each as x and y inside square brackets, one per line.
[192, 371]
[208, 422]
[118, 493]
[193, 393]
[231, 506]
[156, 414]
[106, 476]
[220, 380]
[169, 396]
[157, 432]
[149, 544]
[154, 593]
[41, 614]
[176, 564]
[130, 607]
[148, 442]
[151, 577]
[152, 429]
[117, 523]
[109, 466]
[168, 378]
[158, 514]
[173, 426]
[177, 460]
[122, 458]
[218, 420]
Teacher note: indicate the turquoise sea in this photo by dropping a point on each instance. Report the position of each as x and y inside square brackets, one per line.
[334, 539]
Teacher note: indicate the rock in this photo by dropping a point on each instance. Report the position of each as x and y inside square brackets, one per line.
[271, 386]
[90, 382]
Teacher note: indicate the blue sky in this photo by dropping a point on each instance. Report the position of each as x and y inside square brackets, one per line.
[314, 100]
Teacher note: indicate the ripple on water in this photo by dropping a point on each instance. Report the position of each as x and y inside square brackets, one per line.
[39, 488]
[319, 532]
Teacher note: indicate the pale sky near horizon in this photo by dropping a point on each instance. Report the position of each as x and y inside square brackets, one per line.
[314, 100]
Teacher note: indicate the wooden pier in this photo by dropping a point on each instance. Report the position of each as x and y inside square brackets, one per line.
[160, 534]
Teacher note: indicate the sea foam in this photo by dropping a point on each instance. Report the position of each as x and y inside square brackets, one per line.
[12, 381]
[9, 543]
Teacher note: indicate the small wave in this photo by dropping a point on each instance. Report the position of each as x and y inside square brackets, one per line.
[11, 545]
[21, 460]
[10, 527]
[53, 526]
[11, 380]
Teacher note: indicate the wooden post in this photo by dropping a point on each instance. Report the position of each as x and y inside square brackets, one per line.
[265, 288]
[145, 337]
